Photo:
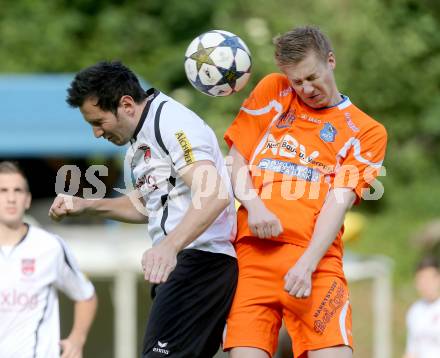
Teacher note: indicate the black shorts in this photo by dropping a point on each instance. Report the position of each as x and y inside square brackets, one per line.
[189, 310]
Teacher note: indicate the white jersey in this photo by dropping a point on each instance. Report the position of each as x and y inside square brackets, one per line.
[169, 137]
[30, 273]
[423, 325]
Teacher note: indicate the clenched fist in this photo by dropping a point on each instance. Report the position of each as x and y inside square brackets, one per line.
[66, 205]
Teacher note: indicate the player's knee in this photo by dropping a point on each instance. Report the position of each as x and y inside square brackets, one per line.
[248, 352]
[332, 352]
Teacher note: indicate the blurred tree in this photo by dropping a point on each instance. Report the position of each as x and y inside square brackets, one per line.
[388, 62]
[388, 54]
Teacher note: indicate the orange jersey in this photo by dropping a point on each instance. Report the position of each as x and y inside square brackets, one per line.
[296, 154]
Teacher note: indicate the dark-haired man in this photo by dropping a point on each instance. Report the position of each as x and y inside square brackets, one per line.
[183, 185]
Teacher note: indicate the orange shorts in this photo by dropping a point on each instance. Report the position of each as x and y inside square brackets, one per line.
[320, 321]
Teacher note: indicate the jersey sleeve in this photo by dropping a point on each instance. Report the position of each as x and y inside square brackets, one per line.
[69, 278]
[185, 137]
[362, 159]
[256, 114]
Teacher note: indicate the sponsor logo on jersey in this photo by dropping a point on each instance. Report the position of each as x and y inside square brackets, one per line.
[288, 168]
[186, 147]
[286, 119]
[289, 147]
[350, 123]
[306, 117]
[323, 168]
[13, 300]
[27, 266]
[161, 348]
[328, 133]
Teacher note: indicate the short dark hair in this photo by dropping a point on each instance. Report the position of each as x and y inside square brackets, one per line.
[8, 167]
[428, 262]
[107, 82]
[293, 46]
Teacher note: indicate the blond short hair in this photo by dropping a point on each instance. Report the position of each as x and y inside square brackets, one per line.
[8, 167]
[294, 45]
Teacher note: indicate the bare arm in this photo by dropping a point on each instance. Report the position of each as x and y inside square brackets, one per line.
[328, 224]
[126, 208]
[84, 314]
[209, 198]
[262, 222]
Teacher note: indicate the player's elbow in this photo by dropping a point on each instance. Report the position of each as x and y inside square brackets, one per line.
[223, 203]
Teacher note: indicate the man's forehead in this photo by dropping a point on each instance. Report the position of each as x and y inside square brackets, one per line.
[429, 270]
[12, 180]
[90, 107]
[302, 70]
[90, 103]
[308, 66]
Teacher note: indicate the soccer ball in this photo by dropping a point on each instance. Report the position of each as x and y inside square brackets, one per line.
[218, 63]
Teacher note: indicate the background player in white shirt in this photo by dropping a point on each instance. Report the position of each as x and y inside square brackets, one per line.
[423, 317]
[33, 265]
[184, 189]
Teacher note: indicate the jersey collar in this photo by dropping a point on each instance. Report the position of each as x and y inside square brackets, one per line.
[24, 236]
[343, 103]
[21, 240]
[151, 94]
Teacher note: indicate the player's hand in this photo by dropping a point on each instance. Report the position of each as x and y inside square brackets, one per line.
[159, 261]
[262, 222]
[71, 347]
[298, 280]
[66, 205]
